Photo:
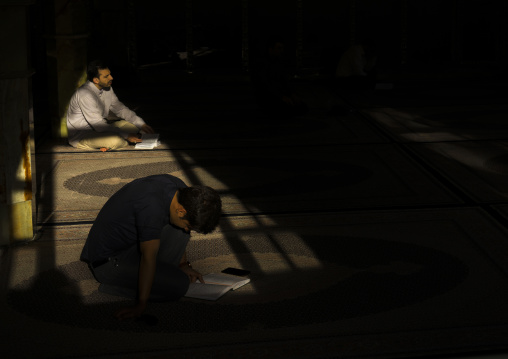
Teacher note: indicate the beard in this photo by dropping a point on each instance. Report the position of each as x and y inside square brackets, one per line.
[106, 86]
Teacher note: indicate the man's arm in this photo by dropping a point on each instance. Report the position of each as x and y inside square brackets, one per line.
[147, 267]
[122, 111]
[187, 269]
[147, 129]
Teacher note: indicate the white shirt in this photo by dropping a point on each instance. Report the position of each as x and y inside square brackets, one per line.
[88, 109]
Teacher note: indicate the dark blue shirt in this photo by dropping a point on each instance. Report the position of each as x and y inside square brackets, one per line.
[137, 212]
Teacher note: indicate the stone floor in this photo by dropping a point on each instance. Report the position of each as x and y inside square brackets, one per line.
[398, 202]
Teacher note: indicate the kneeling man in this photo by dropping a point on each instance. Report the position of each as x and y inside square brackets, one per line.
[136, 246]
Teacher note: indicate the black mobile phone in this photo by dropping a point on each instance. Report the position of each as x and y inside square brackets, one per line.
[236, 271]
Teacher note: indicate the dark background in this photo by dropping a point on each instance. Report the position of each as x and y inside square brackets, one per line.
[427, 38]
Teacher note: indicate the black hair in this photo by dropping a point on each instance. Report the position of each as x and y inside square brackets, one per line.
[92, 70]
[203, 206]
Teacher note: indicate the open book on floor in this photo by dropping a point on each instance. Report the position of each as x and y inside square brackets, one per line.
[150, 141]
[215, 286]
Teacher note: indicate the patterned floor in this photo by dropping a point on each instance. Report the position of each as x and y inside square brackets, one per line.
[379, 232]
[403, 273]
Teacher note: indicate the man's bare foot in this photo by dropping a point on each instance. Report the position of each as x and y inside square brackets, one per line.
[103, 149]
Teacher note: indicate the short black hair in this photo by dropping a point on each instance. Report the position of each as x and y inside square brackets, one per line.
[92, 70]
[203, 206]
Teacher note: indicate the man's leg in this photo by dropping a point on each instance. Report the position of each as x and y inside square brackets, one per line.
[120, 275]
[108, 140]
[170, 282]
[173, 244]
[98, 140]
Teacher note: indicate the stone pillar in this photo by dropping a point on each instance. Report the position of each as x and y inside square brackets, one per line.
[67, 44]
[352, 22]
[503, 38]
[132, 46]
[403, 32]
[245, 35]
[456, 33]
[299, 34]
[17, 197]
[189, 34]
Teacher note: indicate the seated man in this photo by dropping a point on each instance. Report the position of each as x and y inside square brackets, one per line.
[136, 246]
[87, 123]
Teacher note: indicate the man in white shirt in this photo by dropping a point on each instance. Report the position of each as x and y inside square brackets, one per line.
[89, 108]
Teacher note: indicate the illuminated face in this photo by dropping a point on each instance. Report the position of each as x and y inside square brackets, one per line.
[104, 80]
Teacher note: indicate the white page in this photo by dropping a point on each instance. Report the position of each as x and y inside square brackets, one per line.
[207, 291]
[150, 141]
[225, 279]
[150, 137]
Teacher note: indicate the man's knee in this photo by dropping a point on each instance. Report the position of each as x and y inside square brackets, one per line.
[118, 142]
[182, 285]
[172, 245]
[112, 141]
[171, 284]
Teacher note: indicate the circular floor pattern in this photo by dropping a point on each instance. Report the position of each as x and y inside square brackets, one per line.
[244, 178]
[324, 280]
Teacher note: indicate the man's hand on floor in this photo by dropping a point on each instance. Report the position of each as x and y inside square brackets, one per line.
[134, 139]
[131, 312]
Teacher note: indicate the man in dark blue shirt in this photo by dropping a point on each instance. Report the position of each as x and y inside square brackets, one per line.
[136, 246]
